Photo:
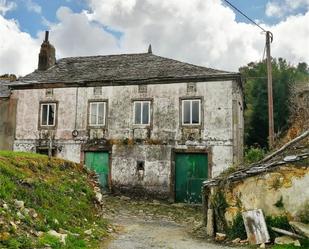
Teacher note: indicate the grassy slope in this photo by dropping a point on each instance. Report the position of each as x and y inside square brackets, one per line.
[61, 194]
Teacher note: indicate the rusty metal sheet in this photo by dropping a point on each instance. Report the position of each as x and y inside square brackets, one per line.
[255, 225]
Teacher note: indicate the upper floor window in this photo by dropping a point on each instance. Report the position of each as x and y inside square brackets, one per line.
[142, 112]
[97, 111]
[191, 112]
[48, 114]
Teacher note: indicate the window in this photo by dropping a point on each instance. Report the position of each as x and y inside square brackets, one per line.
[191, 112]
[97, 90]
[49, 93]
[142, 112]
[142, 88]
[48, 114]
[97, 112]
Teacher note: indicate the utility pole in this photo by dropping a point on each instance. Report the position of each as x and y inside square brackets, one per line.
[269, 39]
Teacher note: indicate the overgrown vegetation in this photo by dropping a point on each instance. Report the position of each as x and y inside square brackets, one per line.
[220, 205]
[253, 154]
[281, 222]
[303, 242]
[237, 229]
[256, 116]
[58, 195]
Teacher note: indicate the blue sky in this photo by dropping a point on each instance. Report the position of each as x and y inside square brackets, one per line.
[202, 32]
[31, 21]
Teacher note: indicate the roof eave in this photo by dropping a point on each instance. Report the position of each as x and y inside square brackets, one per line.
[123, 82]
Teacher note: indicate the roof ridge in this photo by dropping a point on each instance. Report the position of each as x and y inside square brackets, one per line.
[98, 56]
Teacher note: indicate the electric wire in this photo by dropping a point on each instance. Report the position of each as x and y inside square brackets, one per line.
[238, 10]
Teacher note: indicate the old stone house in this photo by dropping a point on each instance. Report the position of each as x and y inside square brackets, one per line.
[146, 124]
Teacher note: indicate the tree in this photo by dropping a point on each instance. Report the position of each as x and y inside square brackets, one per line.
[255, 89]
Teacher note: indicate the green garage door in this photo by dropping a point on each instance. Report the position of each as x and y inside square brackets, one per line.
[98, 162]
[191, 171]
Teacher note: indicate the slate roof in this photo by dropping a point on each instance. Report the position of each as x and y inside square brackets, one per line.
[4, 90]
[120, 69]
[293, 152]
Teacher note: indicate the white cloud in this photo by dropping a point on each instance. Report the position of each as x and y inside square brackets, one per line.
[6, 6]
[18, 51]
[280, 8]
[33, 6]
[291, 38]
[202, 32]
[274, 9]
[75, 35]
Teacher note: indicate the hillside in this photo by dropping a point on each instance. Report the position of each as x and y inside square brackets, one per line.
[48, 204]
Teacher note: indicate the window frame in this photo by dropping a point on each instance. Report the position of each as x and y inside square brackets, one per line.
[47, 126]
[149, 101]
[105, 108]
[200, 111]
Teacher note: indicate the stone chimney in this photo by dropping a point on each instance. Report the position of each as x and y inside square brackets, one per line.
[47, 56]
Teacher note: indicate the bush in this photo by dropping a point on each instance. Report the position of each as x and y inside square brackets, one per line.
[281, 222]
[237, 229]
[253, 154]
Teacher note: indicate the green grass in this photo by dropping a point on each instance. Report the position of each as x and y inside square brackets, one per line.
[58, 191]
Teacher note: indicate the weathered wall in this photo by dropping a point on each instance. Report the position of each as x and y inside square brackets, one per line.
[7, 123]
[156, 179]
[154, 144]
[289, 185]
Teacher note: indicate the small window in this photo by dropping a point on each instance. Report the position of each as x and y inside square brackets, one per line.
[49, 93]
[142, 112]
[97, 111]
[48, 114]
[97, 90]
[191, 87]
[142, 88]
[191, 112]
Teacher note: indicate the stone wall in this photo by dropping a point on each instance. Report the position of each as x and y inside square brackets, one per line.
[7, 123]
[220, 132]
[282, 192]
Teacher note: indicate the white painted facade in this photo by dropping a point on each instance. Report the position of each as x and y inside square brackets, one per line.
[220, 132]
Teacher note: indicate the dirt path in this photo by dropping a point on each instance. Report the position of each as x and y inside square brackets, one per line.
[142, 225]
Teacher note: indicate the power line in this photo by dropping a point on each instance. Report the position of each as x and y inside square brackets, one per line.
[238, 10]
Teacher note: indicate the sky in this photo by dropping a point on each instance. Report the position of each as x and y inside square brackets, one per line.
[203, 32]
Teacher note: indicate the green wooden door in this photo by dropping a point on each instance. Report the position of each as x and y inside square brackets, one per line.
[98, 162]
[191, 171]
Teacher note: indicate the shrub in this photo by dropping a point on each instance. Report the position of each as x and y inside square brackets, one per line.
[237, 229]
[281, 222]
[253, 154]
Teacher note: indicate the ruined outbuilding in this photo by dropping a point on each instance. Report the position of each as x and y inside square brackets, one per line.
[278, 185]
[146, 124]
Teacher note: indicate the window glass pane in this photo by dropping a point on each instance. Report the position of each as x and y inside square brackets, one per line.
[93, 113]
[186, 112]
[51, 114]
[137, 112]
[195, 112]
[44, 115]
[101, 114]
[146, 112]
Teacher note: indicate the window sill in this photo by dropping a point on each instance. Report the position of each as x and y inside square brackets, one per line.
[47, 127]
